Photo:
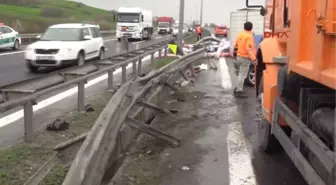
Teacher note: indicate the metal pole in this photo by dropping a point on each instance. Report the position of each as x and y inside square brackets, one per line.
[201, 15]
[181, 20]
[81, 96]
[28, 121]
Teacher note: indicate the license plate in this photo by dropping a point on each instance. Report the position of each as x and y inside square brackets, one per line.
[123, 28]
[45, 58]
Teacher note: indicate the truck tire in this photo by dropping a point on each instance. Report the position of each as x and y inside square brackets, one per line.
[266, 141]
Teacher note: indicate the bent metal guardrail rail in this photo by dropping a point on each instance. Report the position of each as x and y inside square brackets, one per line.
[31, 37]
[28, 92]
[99, 156]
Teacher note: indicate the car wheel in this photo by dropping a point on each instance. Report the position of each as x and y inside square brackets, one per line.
[31, 67]
[101, 54]
[250, 80]
[16, 45]
[80, 58]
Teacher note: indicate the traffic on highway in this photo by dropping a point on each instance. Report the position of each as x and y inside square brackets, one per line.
[137, 95]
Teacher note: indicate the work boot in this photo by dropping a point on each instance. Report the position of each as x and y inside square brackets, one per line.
[240, 94]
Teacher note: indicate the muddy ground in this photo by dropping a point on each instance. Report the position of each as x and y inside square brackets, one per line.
[217, 133]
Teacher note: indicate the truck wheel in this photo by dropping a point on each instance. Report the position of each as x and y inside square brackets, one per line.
[266, 141]
[119, 39]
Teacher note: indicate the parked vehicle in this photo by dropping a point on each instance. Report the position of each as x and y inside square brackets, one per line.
[296, 86]
[65, 44]
[9, 38]
[165, 25]
[134, 23]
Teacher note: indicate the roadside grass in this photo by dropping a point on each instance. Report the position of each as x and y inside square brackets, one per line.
[18, 163]
[32, 16]
[160, 62]
[56, 175]
[191, 39]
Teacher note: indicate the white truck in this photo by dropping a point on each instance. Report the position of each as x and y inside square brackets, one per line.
[134, 23]
[237, 20]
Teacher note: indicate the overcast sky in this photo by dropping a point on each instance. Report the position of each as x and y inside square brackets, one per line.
[216, 11]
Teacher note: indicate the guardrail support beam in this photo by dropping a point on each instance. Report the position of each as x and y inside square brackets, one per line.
[153, 132]
[160, 53]
[110, 79]
[81, 96]
[134, 68]
[165, 51]
[123, 74]
[139, 65]
[28, 121]
[152, 60]
[151, 106]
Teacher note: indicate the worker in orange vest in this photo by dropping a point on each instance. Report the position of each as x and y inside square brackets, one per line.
[199, 32]
[245, 53]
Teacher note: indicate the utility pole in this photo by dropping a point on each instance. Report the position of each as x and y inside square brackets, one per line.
[201, 16]
[181, 21]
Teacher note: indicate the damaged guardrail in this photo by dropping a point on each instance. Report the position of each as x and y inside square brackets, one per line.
[101, 153]
[27, 93]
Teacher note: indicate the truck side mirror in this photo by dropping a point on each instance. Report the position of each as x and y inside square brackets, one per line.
[263, 11]
[142, 18]
[114, 17]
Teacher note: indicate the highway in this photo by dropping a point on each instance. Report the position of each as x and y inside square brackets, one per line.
[13, 67]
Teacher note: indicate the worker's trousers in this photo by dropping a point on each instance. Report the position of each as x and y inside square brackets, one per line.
[242, 66]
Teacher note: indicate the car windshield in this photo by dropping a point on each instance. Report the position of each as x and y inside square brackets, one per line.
[221, 28]
[163, 24]
[62, 34]
[128, 17]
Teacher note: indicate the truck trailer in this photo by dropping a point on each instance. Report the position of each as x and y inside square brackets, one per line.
[295, 85]
[165, 25]
[134, 23]
[237, 20]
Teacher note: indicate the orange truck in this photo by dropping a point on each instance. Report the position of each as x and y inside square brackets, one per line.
[295, 85]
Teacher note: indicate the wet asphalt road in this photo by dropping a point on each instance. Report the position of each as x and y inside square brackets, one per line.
[13, 68]
[217, 133]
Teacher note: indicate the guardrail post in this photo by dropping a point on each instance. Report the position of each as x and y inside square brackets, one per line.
[28, 121]
[152, 60]
[139, 66]
[110, 79]
[134, 71]
[123, 74]
[160, 53]
[81, 96]
[165, 51]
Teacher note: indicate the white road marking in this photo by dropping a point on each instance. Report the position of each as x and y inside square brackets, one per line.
[17, 52]
[240, 164]
[226, 79]
[138, 42]
[49, 101]
[159, 37]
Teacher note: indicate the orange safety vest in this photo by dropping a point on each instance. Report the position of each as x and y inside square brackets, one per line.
[245, 45]
[198, 29]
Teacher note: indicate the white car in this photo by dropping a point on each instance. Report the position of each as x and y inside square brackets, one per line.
[65, 44]
[9, 38]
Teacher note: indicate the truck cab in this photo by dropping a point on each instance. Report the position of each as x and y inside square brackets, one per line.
[134, 23]
[164, 28]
